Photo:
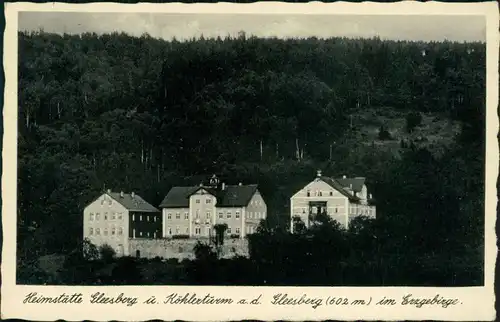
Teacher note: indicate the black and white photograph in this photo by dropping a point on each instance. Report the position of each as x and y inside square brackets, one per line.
[191, 149]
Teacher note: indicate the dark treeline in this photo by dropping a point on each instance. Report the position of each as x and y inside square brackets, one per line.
[142, 114]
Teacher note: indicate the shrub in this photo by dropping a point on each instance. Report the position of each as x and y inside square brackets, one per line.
[107, 253]
[180, 237]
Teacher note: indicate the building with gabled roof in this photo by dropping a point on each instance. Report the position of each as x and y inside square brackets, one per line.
[115, 217]
[342, 199]
[194, 210]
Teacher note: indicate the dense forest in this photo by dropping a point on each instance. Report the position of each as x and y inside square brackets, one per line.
[142, 114]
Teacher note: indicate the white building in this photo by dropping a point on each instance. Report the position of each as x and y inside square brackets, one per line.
[342, 199]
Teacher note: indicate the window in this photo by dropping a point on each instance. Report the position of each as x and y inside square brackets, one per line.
[147, 218]
[197, 214]
[221, 215]
[113, 215]
[120, 231]
[148, 234]
[170, 231]
[105, 231]
[97, 215]
[178, 215]
[209, 201]
[187, 230]
[133, 217]
[197, 200]
[331, 193]
[228, 214]
[237, 230]
[237, 214]
[105, 216]
[169, 216]
[320, 193]
[113, 231]
[102, 202]
[110, 202]
[228, 230]
[154, 234]
[97, 231]
[91, 216]
[208, 215]
[186, 215]
[119, 215]
[197, 230]
[308, 193]
[91, 231]
[177, 230]
[140, 233]
[140, 217]
[154, 218]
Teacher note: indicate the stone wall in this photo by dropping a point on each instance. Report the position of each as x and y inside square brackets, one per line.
[181, 248]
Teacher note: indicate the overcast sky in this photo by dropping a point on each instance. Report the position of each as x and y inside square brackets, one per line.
[182, 26]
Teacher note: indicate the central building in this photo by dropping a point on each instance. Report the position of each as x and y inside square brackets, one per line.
[192, 211]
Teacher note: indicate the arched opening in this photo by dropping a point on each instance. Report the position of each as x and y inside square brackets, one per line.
[137, 253]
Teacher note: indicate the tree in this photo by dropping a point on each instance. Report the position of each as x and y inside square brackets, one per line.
[413, 119]
[90, 251]
[384, 134]
[107, 253]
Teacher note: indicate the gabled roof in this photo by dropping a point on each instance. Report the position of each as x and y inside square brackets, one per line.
[231, 196]
[356, 183]
[132, 203]
[339, 187]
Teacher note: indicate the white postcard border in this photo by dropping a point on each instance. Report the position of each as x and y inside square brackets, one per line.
[477, 303]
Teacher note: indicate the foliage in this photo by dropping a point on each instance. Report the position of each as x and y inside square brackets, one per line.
[142, 114]
[413, 119]
[107, 252]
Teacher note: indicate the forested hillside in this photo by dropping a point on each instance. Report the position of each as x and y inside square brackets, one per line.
[142, 114]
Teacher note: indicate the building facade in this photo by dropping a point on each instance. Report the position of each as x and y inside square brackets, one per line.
[114, 218]
[193, 211]
[342, 199]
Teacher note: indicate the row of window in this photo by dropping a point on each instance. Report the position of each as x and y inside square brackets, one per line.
[114, 231]
[256, 202]
[106, 216]
[207, 201]
[318, 193]
[197, 230]
[109, 202]
[146, 218]
[147, 234]
[237, 214]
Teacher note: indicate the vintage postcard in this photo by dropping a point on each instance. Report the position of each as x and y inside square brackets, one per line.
[266, 161]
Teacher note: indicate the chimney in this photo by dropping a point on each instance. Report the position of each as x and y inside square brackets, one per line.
[223, 186]
[344, 177]
[318, 173]
[109, 190]
[121, 194]
[132, 194]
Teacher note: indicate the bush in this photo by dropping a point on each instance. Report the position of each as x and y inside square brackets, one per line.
[107, 253]
[180, 237]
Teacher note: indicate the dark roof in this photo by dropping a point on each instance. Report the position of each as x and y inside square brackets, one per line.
[135, 203]
[357, 183]
[231, 196]
[339, 187]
